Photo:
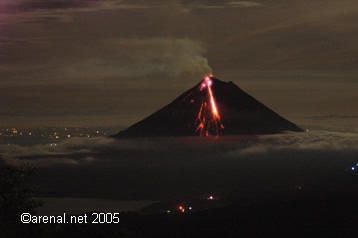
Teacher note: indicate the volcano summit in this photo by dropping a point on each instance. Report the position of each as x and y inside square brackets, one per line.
[212, 107]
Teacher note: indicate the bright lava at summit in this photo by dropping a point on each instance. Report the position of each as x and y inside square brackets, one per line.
[208, 119]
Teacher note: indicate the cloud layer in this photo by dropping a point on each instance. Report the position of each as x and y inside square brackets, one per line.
[318, 161]
[97, 150]
[10, 6]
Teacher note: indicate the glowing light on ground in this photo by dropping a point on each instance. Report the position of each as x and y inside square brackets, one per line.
[181, 209]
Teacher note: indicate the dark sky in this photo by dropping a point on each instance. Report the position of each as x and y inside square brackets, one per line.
[111, 62]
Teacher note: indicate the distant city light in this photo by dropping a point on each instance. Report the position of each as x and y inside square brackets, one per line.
[354, 168]
[52, 135]
[14, 131]
[181, 209]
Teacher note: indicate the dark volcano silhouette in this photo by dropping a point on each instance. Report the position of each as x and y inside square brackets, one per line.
[240, 114]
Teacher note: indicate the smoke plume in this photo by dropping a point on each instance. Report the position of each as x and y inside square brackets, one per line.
[144, 57]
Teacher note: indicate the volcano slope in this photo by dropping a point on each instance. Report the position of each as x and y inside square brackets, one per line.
[240, 114]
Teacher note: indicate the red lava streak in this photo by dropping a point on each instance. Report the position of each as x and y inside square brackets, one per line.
[208, 119]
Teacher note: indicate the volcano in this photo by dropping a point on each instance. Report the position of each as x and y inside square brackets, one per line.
[211, 108]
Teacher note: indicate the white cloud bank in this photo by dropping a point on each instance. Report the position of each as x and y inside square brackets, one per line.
[315, 144]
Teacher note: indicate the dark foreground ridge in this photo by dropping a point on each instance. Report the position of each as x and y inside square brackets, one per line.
[240, 114]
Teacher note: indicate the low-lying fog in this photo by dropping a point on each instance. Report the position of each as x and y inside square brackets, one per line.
[168, 168]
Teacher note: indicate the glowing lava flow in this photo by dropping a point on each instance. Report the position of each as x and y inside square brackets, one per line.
[208, 118]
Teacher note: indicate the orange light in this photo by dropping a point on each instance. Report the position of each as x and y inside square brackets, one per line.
[181, 209]
[208, 118]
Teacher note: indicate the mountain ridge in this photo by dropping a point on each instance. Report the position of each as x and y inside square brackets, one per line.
[238, 113]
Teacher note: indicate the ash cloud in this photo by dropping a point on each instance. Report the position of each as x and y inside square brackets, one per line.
[142, 57]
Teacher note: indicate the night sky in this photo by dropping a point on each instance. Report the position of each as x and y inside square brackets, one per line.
[112, 62]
